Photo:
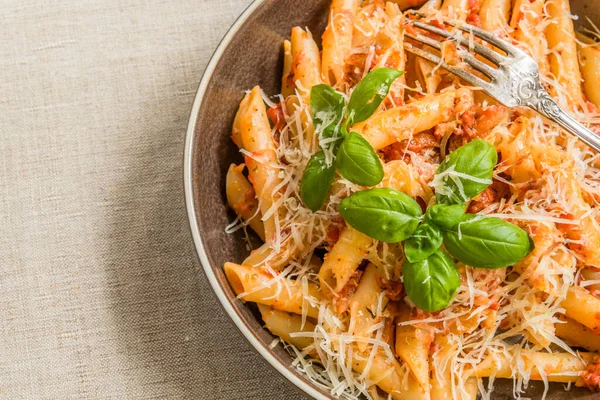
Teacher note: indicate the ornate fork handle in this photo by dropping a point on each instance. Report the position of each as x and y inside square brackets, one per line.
[529, 92]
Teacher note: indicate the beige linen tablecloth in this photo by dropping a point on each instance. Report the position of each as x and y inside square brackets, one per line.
[99, 290]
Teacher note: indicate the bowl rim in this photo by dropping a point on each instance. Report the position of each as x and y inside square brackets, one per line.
[226, 303]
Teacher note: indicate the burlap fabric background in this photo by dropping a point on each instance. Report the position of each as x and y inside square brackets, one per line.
[99, 290]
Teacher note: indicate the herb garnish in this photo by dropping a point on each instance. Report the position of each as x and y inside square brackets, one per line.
[429, 274]
[355, 159]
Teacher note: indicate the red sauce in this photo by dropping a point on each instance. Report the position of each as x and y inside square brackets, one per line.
[277, 117]
[591, 375]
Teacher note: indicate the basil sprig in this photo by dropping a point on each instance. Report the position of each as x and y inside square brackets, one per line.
[429, 274]
[384, 214]
[431, 283]
[327, 107]
[487, 242]
[465, 173]
[424, 242]
[356, 160]
[316, 181]
[370, 92]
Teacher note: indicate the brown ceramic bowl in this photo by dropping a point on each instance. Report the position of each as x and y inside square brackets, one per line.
[251, 54]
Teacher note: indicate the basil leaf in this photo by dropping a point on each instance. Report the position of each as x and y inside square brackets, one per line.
[369, 93]
[357, 161]
[316, 181]
[465, 173]
[431, 283]
[487, 242]
[423, 243]
[327, 106]
[383, 214]
[445, 216]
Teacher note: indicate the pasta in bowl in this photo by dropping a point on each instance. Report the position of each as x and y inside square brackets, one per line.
[420, 240]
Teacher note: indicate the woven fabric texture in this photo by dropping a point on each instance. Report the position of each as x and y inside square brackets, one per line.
[99, 289]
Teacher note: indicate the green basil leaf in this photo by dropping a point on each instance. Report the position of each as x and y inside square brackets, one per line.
[423, 243]
[445, 216]
[357, 161]
[383, 214]
[316, 181]
[465, 173]
[487, 242]
[327, 106]
[369, 93]
[431, 283]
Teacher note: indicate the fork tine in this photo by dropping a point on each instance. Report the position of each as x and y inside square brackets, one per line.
[486, 52]
[461, 73]
[466, 56]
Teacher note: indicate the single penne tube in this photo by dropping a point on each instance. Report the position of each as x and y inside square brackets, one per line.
[526, 21]
[455, 9]
[428, 76]
[267, 256]
[287, 85]
[283, 324]
[557, 367]
[391, 53]
[412, 347]
[494, 14]
[305, 71]
[564, 64]
[259, 286]
[577, 335]
[444, 384]
[589, 63]
[261, 156]
[399, 123]
[242, 198]
[583, 307]
[337, 40]
[343, 259]
[441, 377]
[585, 236]
[364, 304]
[590, 273]
[300, 111]
[387, 374]
[431, 5]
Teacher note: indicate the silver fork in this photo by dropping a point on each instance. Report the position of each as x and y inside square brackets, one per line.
[514, 82]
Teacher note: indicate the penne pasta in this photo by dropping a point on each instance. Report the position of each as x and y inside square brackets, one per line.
[361, 274]
[557, 367]
[285, 325]
[412, 347]
[287, 83]
[589, 63]
[305, 71]
[343, 259]
[399, 123]
[337, 40]
[527, 22]
[259, 286]
[494, 14]
[242, 198]
[564, 64]
[257, 141]
[575, 334]
[455, 9]
[364, 306]
[387, 375]
[581, 306]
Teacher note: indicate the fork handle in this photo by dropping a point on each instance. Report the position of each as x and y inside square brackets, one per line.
[548, 108]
